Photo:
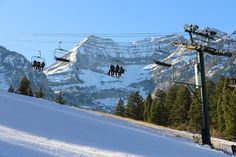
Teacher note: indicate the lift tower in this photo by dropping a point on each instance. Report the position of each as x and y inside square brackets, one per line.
[201, 49]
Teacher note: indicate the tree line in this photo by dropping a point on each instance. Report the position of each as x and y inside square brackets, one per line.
[25, 89]
[178, 108]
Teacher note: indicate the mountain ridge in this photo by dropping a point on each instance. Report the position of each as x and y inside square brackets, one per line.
[101, 92]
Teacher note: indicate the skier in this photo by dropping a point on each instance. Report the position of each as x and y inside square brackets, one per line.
[121, 71]
[34, 64]
[42, 65]
[112, 69]
[38, 65]
[117, 69]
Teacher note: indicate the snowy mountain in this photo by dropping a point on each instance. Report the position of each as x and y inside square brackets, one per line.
[85, 82]
[36, 127]
[13, 66]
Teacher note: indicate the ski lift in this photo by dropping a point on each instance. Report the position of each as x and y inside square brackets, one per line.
[61, 54]
[119, 62]
[162, 63]
[38, 62]
[174, 80]
[117, 67]
[169, 65]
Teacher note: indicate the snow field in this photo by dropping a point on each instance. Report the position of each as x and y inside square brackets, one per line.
[36, 127]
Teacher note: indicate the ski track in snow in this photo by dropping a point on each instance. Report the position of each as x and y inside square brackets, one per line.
[53, 147]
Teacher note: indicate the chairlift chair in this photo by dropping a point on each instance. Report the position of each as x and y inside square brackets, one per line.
[164, 64]
[37, 59]
[118, 62]
[115, 62]
[161, 63]
[61, 54]
[169, 65]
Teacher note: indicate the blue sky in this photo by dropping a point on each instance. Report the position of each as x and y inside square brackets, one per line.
[20, 19]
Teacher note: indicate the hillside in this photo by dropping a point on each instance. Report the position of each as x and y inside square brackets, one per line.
[36, 127]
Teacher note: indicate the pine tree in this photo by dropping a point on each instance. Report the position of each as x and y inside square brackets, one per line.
[153, 112]
[24, 84]
[24, 87]
[29, 92]
[158, 111]
[11, 89]
[120, 108]
[135, 106]
[231, 118]
[170, 103]
[212, 102]
[147, 107]
[59, 98]
[195, 112]
[220, 107]
[182, 105]
[229, 111]
[39, 93]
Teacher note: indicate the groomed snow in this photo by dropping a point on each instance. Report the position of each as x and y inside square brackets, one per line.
[36, 127]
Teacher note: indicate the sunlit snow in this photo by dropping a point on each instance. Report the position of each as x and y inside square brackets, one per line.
[36, 127]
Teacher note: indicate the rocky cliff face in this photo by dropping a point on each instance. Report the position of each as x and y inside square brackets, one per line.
[13, 66]
[85, 82]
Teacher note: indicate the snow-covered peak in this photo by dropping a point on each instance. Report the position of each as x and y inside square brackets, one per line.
[90, 62]
[96, 39]
[86, 75]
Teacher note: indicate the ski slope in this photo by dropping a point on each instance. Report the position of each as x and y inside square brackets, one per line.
[39, 128]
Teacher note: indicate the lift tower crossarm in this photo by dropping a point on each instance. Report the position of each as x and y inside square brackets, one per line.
[203, 48]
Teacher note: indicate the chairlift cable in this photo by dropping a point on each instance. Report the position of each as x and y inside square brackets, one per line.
[135, 34]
